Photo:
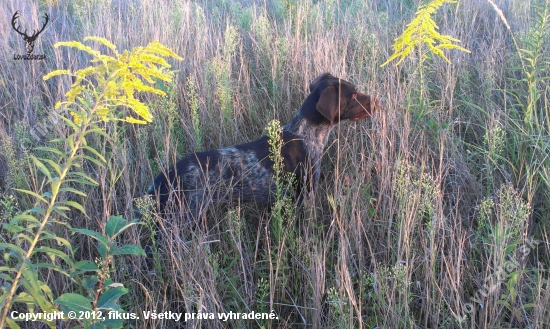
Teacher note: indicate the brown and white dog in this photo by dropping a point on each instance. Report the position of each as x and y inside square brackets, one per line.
[245, 171]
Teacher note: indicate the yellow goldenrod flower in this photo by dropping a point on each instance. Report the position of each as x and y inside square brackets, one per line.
[55, 73]
[104, 42]
[423, 30]
[112, 81]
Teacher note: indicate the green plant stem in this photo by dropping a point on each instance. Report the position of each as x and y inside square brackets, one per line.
[421, 72]
[44, 222]
[102, 280]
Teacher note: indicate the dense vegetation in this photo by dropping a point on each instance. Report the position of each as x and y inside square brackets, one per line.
[434, 214]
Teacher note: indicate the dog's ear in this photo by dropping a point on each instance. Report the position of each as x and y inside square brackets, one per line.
[327, 104]
[320, 78]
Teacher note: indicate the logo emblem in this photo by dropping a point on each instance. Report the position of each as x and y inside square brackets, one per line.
[29, 39]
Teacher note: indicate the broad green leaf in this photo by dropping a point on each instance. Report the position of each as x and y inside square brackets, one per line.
[53, 252]
[26, 218]
[80, 181]
[96, 235]
[83, 175]
[108, 298]
[51, 267]
[95, 161]
[38, 210]
[114, 225]
[70, 141]
[103, 250]
[72, 190]
[34, 287]
[98, 131]
[54, 165]
[23, 297]
[96, 153]
[76, 161]
[12, 247]
[7, 269]
[51, 149]
[13, 253]
[13, 228]
[61, 211]
[73, 302]
[85, 265]
[26, 237]
[129, 249]
[72, 125]
[84, 102]
[60, 241]
[75, 205]
[6, 278]
[36, 195]
[58, 140]
[41, 167]
[89, 281]
[121, 226]
[56, 183]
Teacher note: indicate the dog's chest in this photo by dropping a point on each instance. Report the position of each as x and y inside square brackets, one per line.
[315, 138]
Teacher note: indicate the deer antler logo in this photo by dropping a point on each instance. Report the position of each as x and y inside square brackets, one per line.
[29, 39]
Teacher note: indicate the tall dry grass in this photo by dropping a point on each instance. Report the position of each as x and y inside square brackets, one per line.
[417, 208]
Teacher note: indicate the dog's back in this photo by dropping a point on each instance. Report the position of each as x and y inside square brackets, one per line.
[243, 171]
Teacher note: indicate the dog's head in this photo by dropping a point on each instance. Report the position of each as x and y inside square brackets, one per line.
[339, 99]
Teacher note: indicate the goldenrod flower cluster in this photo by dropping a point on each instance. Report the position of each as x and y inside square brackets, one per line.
[423, 30]
[113, 81]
